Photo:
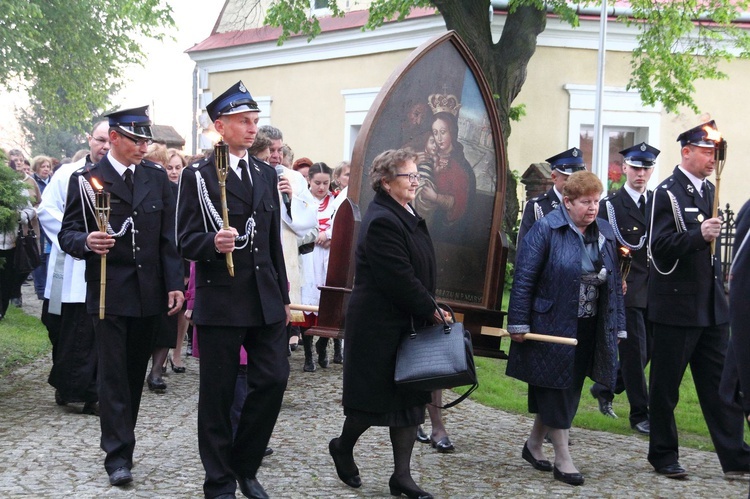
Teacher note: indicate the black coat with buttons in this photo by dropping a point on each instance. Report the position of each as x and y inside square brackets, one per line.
[692, 294]
[143, 265]
[257, 293]
[544, 300]
[633, 226]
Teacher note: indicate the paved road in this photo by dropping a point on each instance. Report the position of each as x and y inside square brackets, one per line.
[51, 451]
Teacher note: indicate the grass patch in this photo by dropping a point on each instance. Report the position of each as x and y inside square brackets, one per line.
[499, 391]
[23, 339]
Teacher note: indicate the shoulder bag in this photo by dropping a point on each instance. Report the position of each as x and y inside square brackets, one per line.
[26, 257]
[436, 357]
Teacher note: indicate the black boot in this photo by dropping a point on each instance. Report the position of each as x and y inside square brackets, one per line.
[307, 345]
[321, 346]
[338, 356]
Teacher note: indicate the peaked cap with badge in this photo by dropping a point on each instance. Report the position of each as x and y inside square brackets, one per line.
[568, 162]
[640, 155]
[705, 135]
[133, 123]
[235, 100]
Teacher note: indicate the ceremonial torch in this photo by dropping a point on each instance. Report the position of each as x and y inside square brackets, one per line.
[626, 260]
[221, 159]
[720, 157]
[102, 220]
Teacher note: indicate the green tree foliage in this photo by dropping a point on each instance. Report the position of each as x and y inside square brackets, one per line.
[11, 198]
[679, 42]
[52, 139]
[70, 56]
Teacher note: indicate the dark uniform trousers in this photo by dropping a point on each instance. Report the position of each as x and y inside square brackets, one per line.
[690, 327]
[634, 351]
[141, 267]
[244, 310]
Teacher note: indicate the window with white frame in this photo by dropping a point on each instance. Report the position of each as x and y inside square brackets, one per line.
[357, 103]
[626, 121]
[319, 7]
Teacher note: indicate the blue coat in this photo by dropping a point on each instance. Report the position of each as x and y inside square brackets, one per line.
[544, 300]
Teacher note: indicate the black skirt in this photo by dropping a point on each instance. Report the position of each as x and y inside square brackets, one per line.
[557, 407]
[411, 416]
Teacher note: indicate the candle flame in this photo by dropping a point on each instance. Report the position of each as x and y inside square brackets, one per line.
[213, 136]
[712, 133]
[96, 183]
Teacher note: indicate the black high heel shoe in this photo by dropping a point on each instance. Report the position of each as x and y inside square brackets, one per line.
[444, 445]
[350, 478]
[155, 385]
[397, 489]
[177, 369]
[422, 436]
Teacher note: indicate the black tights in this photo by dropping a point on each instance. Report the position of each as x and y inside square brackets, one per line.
[402, 441]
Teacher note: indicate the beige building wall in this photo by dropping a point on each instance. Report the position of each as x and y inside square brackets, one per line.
[308, 106]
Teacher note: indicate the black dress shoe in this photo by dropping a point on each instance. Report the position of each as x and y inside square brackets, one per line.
[397, 489]
[605, 406]
[120, 476]
[444, 445]
[309, 366]
[673, 470]
[321, 346]
[58, 398]
[569, 478]
[90, 408]
[226, 496]
[349, 477]
[422, 436]
[540, 464]
[156, 384]
[644, 427]
[267, 452]
[251, 487]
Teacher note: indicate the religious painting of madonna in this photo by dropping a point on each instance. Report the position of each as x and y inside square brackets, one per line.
[439, 105]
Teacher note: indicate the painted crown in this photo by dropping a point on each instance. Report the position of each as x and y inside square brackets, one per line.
[441, 103]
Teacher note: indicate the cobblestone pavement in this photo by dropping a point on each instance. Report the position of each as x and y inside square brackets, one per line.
[52, 451]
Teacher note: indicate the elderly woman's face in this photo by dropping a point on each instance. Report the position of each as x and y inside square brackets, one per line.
[43, 170]
[401, 188]
[583, 209]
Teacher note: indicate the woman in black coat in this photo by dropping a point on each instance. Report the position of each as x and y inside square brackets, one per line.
[395, 282]
[567, 283]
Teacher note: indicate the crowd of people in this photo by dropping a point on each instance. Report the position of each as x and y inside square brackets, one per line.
[135, 252]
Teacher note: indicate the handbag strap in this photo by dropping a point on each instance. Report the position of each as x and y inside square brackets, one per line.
[459, 399]
[446, 326]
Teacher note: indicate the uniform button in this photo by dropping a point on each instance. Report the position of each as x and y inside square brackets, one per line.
[135, 213]
[255, 213]
[140, 266]
[208, 281]
[257, 268]
[256, 250]
[138, 248]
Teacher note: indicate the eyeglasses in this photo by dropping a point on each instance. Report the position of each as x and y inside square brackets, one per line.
[138, 142]
[413, 177]
[101, 140]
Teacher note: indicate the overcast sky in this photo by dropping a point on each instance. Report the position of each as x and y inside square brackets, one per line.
[164, 82]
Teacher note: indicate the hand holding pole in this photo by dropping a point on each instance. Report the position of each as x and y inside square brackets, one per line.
[221, 159]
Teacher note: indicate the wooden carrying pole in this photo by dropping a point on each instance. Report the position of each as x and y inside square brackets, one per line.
[547, 338]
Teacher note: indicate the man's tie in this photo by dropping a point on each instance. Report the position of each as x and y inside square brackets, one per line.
[642, 205]
[128, 177]
[245, 175]
[703, 189]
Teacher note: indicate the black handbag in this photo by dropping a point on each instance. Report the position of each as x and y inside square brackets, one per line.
[436, 357]
[26, 257]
